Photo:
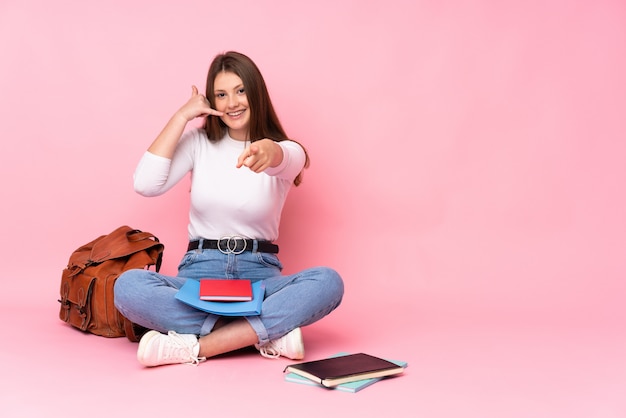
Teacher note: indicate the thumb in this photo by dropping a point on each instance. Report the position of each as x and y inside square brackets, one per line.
[194, 91]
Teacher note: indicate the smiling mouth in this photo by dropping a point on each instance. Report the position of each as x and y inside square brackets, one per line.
[235, 114]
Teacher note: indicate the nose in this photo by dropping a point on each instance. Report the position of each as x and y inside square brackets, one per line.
[233, 101]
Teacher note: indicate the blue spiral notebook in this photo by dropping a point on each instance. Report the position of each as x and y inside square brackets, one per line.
[190, 294]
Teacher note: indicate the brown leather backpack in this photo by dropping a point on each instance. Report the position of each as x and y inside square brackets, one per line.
[87, 281]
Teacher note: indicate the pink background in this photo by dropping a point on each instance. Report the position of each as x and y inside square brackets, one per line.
[467, 181]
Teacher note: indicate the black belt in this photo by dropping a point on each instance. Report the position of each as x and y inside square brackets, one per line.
[234, 245]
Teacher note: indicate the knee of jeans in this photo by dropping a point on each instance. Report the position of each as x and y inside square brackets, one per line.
[332, 281]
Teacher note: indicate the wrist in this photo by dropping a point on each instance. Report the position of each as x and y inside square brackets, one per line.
[179, 117]
[278, 155]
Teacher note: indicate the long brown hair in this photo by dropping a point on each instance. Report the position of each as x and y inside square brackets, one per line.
[264, 122]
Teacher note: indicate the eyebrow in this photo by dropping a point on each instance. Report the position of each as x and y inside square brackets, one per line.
[235, 88]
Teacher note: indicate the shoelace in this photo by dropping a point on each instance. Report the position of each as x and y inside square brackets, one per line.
[182, 345]
[269, 351]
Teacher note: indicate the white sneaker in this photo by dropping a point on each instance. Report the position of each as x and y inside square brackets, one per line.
[289, 345]
[156, 349]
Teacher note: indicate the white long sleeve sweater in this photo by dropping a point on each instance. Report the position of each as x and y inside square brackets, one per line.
[225, 200]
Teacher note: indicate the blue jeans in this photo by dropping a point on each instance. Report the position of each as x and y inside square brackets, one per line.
[147, 298]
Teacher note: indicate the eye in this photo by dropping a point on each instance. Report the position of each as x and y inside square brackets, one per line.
[241, 91]
[220, 95]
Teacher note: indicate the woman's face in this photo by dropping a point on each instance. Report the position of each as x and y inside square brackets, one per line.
[230, 98]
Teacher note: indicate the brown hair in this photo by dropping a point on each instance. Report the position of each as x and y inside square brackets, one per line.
[264, 122]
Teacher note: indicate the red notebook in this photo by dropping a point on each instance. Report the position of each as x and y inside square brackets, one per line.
[226, 290]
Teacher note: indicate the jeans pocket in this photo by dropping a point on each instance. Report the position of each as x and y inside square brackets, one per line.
[270, 260]
[188, 258]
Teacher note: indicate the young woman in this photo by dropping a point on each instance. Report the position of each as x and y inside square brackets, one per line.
[242, 166]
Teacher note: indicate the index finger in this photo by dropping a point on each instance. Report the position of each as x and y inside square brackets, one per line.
[242, 157]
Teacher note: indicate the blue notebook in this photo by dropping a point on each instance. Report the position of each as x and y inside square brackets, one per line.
[351, 387]
[190, 294]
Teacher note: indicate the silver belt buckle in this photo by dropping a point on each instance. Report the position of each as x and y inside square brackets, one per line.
[228, 245]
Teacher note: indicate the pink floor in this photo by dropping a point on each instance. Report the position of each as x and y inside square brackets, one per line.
[477, 366]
